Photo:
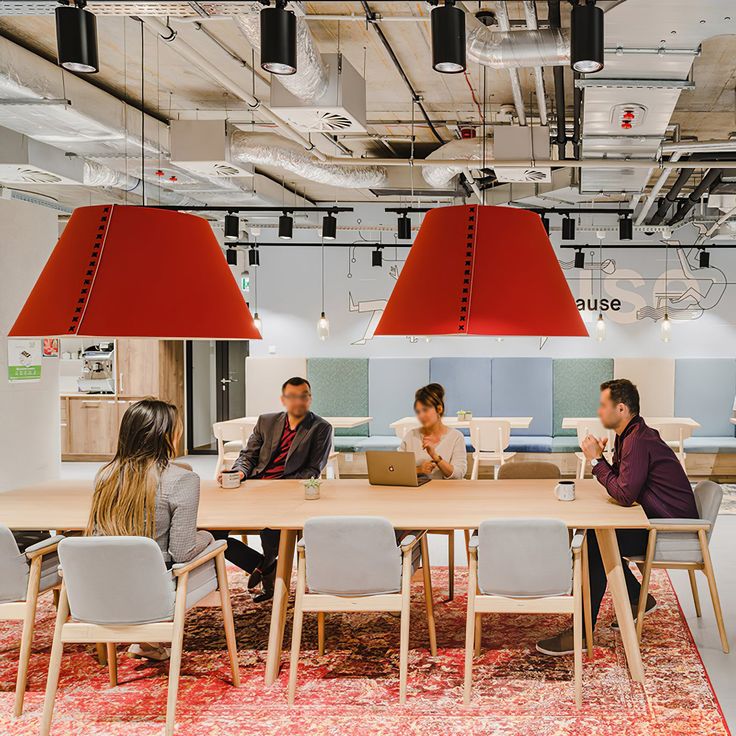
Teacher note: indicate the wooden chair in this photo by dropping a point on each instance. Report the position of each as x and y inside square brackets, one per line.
[529, 470]
[524, 566]
[352, 563]
[117, 589]
[683, 544]
[231, 439]
[23, 577]
[594, 427]
[490, 438]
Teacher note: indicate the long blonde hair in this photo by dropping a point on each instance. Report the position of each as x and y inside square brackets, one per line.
[124, 500]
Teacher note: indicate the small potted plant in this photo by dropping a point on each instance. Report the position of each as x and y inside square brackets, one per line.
[311, 488]
[461, 415]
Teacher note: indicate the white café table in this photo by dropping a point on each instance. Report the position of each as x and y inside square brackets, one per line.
[336, 422]
[455, 423]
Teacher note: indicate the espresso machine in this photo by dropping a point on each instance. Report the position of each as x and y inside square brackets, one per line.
[98, 369]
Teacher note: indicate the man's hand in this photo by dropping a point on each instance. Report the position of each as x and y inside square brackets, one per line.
[592, 447]
[240, 472]
[425, 468]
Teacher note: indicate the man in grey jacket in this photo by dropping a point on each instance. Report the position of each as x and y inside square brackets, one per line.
[290, 444]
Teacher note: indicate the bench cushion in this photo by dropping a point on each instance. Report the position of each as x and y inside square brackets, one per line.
[340, 389]
[704, 390]
[392, 383]
[565, 444]
[722, 445]
[522, 387]
[576, 389]
[467, 383]
[354, 443]
[530, 443]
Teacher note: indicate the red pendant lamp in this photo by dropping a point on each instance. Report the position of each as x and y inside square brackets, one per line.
[124, 271]
[475, 270]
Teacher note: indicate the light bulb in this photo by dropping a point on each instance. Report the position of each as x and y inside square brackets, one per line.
[499, 339]
[665, 329]
[600, 329]
[257, 322]
[323, 327]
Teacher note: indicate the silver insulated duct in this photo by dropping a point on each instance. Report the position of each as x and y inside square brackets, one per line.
[504, 50]
[270, 149]
[440, 177]
[310, 81]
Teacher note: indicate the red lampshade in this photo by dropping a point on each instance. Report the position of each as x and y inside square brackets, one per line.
[120, 271]
[481, 271]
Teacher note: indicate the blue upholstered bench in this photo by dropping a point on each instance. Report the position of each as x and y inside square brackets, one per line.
[711, 445]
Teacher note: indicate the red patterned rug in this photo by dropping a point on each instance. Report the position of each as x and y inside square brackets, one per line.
[353, 689]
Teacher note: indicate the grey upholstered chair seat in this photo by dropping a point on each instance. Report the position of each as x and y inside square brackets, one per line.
[675, 546]
[15, 567]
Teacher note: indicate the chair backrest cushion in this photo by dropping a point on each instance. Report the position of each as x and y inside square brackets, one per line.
[528, 470]
[708, 497]
[352, 555]
[490, 435]
[522, 387]
[116, 580]
[524, 558]
[13, 568]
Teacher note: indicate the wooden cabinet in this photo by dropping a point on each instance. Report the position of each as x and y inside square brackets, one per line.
[138, 367]
[92, 426]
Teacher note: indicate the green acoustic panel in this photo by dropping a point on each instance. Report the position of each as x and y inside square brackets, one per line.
[576, 387]
[340, 389]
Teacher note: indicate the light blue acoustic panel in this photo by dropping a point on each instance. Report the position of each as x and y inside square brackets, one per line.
[704, 390]
[522, 387]
[577, 384]
[467, 383]
[391, 386]
[340, 389]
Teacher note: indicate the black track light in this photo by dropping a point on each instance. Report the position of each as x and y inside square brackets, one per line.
[278, 39]
[232, 256]
[254, 257]
[329, 226]
[286, 226]
[404, 229]
[545, 223]
[626, 228]
[76, 38]
[579, 259]
[568, 228]
[704, 259]
[586, 38]
[377, 258]
[232, 227]
[448, 38]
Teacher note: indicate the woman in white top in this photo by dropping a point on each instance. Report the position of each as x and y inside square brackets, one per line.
[439, 451]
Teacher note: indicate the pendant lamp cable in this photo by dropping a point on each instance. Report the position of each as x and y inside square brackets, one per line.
[143, 116]
[483, 128]
[322, 253]
[666, 278]
[411, 156]
[600, 277]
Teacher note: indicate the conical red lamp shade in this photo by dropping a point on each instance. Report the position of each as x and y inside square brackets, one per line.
[476, 270]
[120, 271]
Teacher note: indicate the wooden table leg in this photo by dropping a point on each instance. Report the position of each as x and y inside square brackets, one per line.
[281, 589]
[613, 565]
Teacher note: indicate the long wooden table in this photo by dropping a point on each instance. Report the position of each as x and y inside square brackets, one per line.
[280, 504]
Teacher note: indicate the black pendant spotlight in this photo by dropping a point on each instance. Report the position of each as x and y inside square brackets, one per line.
[579, 259]
[586, 37]
[377, 257]
[254, 257]
[568, 228]
[232, 227]
[404, 227]
[329, 226]
[278, 39]
[232, 257]
[626, 228]
[448, 38]
[704, 259]
[76, 38]
[286, 226]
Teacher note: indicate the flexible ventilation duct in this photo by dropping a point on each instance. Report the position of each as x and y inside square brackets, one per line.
[504, 50]
[471, 149]
[310, 81]
[269, 149]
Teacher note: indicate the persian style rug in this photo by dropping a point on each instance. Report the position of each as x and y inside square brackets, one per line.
[353, 688]
[728, 505]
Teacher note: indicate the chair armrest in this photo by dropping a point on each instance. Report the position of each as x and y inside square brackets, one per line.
[577, 542]
[212, 550]
[44, 547]
[679, 525]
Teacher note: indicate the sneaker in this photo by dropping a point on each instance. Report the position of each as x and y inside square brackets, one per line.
[559, 645]
[651, 606]
[157, 654]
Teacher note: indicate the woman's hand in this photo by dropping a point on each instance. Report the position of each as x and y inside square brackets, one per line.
[425, 468]
[429, 447]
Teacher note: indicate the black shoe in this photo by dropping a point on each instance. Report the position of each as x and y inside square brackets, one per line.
[268, 582]
[257, 575]
[651, 606]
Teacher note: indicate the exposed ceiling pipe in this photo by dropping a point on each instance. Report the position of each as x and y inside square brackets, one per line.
[671, 197]
[707, 183]
[502, 15]
[553, 13]
[661, 181]
[577, 119]
[530, 13]
[370, 17]
[170, 36]
[442, 174]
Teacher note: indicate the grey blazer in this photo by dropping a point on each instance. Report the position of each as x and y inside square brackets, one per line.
[307, 456]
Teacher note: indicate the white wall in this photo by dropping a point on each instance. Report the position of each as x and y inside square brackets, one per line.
[29, 413]
[704, 321]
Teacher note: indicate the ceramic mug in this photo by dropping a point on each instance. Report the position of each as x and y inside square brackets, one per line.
[565, 490]
[230, 479]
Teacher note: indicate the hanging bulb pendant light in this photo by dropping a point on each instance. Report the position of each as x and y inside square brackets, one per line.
[323, 327]
[600, 328]
[258, 322]
[665, 329]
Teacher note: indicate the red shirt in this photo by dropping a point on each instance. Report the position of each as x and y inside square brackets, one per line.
[647, 471]
[275, 467]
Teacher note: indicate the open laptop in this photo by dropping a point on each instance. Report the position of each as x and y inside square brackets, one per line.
[386, 468]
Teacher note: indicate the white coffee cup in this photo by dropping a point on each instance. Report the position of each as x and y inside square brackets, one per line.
[230, 479]
[565, 490]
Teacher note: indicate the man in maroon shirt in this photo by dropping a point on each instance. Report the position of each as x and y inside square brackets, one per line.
[644, 470]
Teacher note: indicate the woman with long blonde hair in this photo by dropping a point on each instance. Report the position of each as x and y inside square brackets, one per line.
[142, 492]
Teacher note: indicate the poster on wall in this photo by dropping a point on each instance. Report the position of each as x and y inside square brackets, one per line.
[50, 347]
[24, 360]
